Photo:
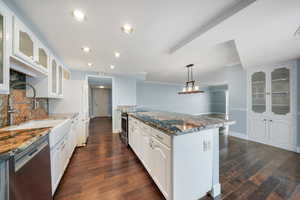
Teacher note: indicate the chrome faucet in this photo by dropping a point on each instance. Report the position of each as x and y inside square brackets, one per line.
[11, 110]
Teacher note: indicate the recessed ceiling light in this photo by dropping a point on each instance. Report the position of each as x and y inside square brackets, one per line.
[79, 15]
[86, 49]
[127, 28]
[90, 64]
[101, 86]
[112, 66]
[117, 54]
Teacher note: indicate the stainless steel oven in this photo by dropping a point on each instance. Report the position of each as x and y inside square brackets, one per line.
[124, 132]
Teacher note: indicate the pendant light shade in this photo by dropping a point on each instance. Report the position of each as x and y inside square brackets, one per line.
[190, 87]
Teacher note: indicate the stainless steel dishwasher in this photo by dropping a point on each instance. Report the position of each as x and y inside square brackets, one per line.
[32, 173]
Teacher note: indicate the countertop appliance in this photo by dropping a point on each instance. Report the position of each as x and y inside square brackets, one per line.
[30, 173]
[124, 132]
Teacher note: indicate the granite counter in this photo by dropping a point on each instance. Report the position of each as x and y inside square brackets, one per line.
[178, 124]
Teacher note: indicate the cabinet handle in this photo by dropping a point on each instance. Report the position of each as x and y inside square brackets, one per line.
[150, 144]
[159, 137]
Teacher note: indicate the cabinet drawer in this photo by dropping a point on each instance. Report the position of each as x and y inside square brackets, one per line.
[162, 137]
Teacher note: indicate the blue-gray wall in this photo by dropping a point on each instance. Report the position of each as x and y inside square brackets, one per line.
[237, 87]
[218, 98]
[165, 97]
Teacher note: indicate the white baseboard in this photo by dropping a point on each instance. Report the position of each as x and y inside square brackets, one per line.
[238, 135]
[216, 190]
[116, 131]
[298, 149]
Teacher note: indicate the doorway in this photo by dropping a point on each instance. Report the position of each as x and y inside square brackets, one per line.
[101, 102]
[100, 96]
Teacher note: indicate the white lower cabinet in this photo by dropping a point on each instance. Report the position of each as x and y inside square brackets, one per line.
[258, 129]
[55, 166]
[181, 169]
[61, 151]
[160, 159]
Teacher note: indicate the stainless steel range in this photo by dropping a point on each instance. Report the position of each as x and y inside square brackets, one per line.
[124, 132]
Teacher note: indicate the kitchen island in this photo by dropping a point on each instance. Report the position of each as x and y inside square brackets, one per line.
[180, 152]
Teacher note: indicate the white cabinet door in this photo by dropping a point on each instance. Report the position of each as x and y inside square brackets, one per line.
[4, 54]
[258, 129]
[63, 155]
[145, 148]
[161, 166]
[60, 81]
[53, 78]
[282, 133]
[55, 166]
[130, 132]
[43, 57]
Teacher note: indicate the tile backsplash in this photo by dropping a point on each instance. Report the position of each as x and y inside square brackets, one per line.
[3, 110]
[22, 104]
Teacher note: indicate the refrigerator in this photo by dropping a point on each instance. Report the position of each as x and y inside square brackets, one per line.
[75, 100]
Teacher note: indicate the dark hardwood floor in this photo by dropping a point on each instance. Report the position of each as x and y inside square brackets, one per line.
[106, 169]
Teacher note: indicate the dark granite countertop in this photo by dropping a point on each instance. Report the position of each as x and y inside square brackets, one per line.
[178, 124]
[12, 141]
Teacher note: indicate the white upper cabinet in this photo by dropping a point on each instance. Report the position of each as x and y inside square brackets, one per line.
[53, 77]
[43, 58]
[56, 79]
[273, 91]
[4, 55]
[60, 81]
[27, 49]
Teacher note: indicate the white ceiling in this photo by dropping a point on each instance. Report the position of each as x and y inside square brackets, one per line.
[259, 34]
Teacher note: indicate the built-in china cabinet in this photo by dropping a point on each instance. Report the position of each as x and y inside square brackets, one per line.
[4, 55]
[272, 105]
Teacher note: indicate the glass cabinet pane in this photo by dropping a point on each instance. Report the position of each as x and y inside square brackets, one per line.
[258, 82]
[26, 44]
[60, 77]
[43, 58]
[54, 76]
[280, 91]
[1, 49]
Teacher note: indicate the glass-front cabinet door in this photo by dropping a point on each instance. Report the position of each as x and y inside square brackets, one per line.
[60, 80]
[24, 42]
[280, 91]
[53, 77]
[258, 93]
[4, 73]
[43, 58]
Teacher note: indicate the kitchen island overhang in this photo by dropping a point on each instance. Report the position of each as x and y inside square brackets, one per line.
[187, 147]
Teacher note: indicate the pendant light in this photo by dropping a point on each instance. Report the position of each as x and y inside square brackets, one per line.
[190, 87]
